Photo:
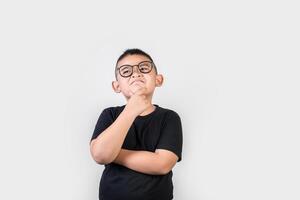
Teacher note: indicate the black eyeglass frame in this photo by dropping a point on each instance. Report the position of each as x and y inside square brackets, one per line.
[138, 65]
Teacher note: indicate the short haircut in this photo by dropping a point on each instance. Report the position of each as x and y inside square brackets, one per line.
[133, 51]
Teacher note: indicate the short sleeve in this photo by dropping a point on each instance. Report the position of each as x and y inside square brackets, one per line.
[171, 135]
[104, 121]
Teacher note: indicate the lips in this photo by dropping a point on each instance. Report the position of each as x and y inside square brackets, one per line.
[141, 81]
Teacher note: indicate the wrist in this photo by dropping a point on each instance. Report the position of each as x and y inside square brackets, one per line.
[128, 113]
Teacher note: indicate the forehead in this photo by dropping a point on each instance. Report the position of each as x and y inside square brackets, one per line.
[132, 60]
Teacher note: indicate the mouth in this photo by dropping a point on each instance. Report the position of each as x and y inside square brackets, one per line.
[136, 81]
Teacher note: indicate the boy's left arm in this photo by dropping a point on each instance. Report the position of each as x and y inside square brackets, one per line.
[159, 162]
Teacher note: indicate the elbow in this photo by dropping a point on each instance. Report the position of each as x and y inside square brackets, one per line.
[167, 166]
[101, 160]
[100, 157]
[164, 169]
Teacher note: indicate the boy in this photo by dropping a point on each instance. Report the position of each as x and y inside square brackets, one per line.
[139, 143]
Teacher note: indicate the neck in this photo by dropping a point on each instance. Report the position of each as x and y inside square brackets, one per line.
[149, 110]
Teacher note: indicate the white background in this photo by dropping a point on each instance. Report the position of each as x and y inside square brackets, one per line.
[231, 71]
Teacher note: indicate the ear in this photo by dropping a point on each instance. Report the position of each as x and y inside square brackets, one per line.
[159, 80]
[116, 86]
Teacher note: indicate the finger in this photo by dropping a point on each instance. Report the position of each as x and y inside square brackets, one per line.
[141, 84]
[141, 91]
[136, 87]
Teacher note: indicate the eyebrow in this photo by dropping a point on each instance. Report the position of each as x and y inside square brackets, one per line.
[133, 65]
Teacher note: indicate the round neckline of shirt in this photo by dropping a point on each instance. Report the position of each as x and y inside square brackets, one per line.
[150, 114]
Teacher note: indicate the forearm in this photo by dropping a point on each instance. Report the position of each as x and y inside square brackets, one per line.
[142, 161]
[105, 148]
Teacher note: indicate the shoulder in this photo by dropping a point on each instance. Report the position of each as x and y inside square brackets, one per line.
[169, 113]
[112, 111]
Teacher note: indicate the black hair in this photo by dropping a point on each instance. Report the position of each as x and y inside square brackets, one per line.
[133, 51]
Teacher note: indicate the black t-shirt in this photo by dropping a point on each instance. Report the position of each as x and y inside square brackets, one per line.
[161, 129]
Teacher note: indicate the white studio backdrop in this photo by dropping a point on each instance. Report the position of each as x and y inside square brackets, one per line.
[231, 71]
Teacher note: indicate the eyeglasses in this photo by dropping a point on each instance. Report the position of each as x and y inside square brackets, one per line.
[127, 70]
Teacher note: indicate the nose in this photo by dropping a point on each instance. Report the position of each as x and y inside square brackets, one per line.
[136, 72]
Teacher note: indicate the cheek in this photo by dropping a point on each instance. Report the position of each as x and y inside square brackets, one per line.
[151, 82]
[125, 87]
[124, 84]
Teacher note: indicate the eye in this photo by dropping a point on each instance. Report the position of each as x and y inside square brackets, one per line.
[145, 67]
[125, 70]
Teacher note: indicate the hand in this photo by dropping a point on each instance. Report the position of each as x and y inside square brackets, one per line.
[134, 87]
[138, 101]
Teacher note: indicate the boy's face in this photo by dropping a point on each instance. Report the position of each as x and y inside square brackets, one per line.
[129, 85]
